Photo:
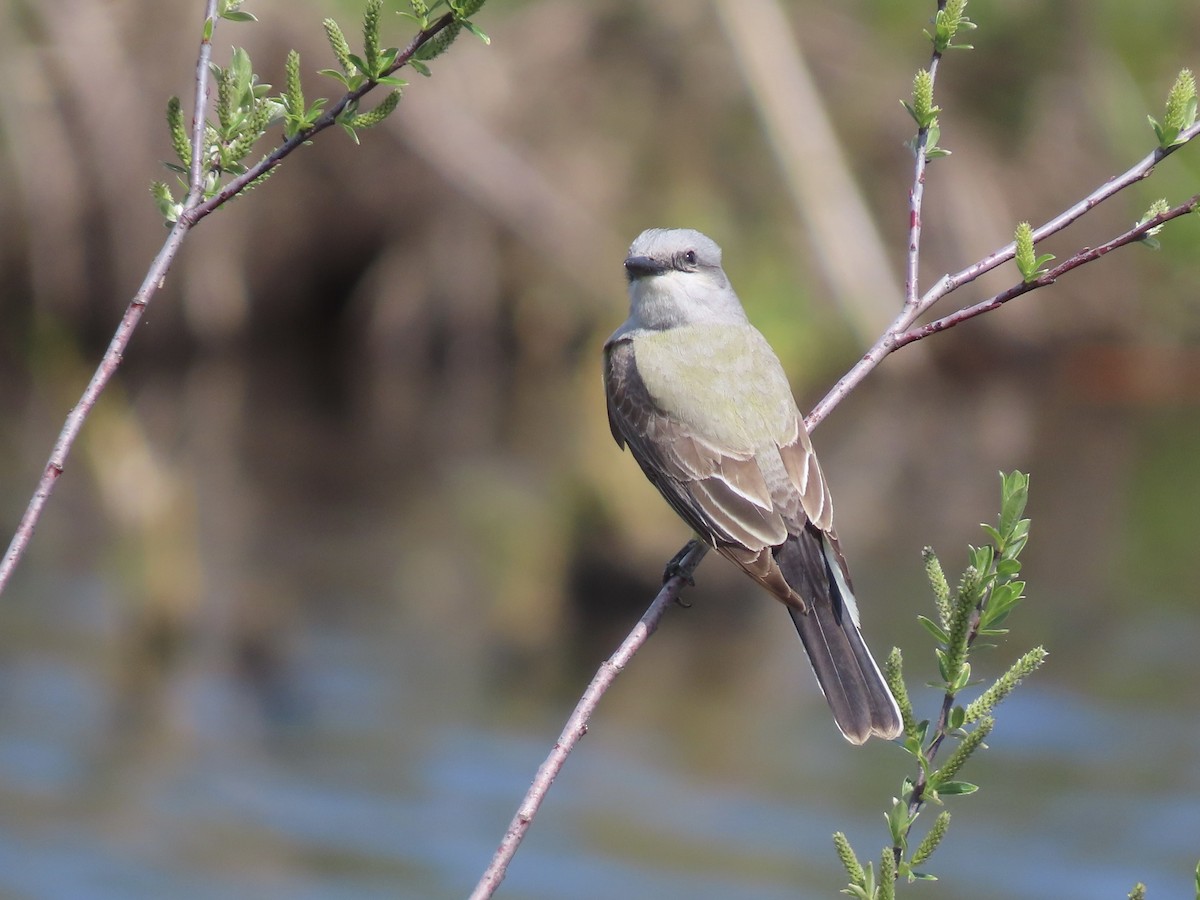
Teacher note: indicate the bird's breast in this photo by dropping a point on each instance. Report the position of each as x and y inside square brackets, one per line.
[723, 381]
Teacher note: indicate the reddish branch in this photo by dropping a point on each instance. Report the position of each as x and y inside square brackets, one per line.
[904, 329]
[577, 724]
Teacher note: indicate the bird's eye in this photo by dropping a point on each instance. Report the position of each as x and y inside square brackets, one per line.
[690, 257]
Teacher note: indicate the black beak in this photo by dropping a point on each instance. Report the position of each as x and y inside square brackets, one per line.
[639, 266]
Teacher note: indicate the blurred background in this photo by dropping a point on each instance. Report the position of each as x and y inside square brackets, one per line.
[348, 535]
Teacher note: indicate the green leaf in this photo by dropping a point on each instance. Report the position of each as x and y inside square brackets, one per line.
[962, 678]
[388, 58]
[933, 628]
[899, 822]
[1007, 568]
[943, 665]
[981, 559]
[956, 788]
[334, 73]
[913, 744]
[1014, 495]
[956, 718]
[475, 30]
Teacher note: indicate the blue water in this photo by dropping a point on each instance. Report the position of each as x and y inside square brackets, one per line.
[382, 778]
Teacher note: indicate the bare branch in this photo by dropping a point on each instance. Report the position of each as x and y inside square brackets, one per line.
[577, 725]
[897, 335]
[1086, 255]
[200, 104]
[916, 196]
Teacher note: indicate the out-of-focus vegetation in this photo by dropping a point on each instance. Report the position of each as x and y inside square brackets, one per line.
[441, 291]
[372, 385]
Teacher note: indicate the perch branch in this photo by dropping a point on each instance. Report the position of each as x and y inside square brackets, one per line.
[577, 725]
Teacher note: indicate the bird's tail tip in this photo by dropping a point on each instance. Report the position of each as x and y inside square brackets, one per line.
[858, 695]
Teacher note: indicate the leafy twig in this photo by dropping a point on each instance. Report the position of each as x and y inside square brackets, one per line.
[328, 118]
[987, 593]
[947, 23]
[239, 96]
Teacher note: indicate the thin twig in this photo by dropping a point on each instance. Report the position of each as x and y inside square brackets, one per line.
[891, 339]
[200, 104]
[1142, 169]
[577, 724]
[916, 194]
[120, 340]
[1086, 255]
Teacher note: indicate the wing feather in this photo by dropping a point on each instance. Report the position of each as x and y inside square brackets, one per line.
[805, 474]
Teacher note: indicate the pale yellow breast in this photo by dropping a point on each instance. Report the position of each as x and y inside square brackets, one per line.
[723, 381]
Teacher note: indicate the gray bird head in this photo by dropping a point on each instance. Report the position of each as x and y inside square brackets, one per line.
[675, 278]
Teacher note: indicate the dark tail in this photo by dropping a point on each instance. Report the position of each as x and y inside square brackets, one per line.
[859, 697]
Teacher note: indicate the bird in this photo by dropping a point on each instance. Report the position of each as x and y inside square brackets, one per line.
[703, 404]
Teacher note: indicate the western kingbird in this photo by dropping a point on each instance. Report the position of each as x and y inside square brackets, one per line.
[702, 402]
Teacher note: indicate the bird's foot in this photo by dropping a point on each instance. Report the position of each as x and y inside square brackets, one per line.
[676, 569]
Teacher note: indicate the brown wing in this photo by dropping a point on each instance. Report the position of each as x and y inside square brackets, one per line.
[804, 473]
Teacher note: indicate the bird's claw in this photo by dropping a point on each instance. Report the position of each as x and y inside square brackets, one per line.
[676, 569]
